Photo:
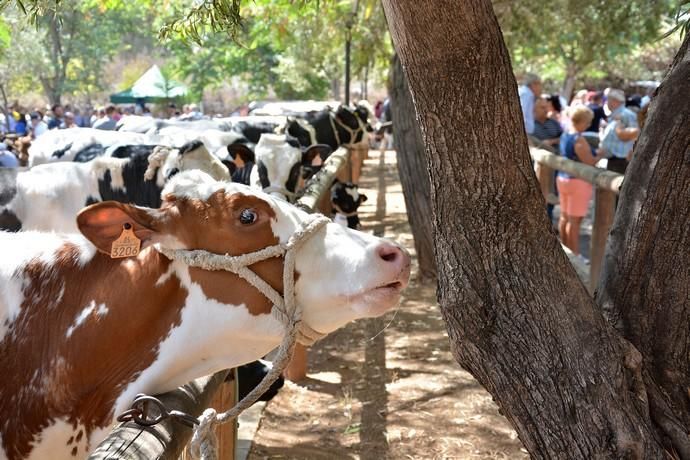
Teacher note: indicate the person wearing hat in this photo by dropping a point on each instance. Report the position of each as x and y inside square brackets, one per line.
[620, 133]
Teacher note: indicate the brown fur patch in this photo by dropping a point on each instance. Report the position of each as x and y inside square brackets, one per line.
[80, 377]
[217, 228]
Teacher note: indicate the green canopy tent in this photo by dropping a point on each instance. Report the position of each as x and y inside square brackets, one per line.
[150, 87]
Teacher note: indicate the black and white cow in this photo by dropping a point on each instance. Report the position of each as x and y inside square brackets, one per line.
[342, 126]
[275, 164]
[346, 199]
[48, 197]
[78, 144]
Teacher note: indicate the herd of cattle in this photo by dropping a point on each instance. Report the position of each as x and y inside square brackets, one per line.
[82, 333]
[71, 168]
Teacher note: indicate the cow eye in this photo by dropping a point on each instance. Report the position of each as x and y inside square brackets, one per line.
[248, 216]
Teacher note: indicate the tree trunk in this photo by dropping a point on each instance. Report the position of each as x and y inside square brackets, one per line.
[414, 176]
[569, 82]
[5, 107]
[645, 286]
[335, 89]
[518, 317]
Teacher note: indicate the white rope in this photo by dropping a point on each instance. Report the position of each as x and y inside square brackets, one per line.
[286, 310]
[156, 160]
[352, 132]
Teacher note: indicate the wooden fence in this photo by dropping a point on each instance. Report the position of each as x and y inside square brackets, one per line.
[168, 439]
[606, 187]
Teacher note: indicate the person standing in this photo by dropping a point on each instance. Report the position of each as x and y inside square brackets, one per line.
[528, 92]
[108, 122]
[594, 103]
[546, 129]
[620, 133]
[575, 193]
[57, 119]
[38, 126]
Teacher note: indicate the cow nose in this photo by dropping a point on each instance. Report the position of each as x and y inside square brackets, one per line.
[391, 253]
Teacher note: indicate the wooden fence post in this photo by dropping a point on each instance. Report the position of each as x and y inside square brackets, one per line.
[604, 210]
[545, 178]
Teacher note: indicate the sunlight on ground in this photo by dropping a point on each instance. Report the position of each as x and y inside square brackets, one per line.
[386, 387]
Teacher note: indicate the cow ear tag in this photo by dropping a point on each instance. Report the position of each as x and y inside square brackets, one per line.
[126, 245]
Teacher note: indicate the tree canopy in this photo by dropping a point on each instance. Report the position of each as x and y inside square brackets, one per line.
[295, 49]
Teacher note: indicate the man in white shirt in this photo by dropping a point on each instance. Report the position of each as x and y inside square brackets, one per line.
[529, 91]
[38, 126]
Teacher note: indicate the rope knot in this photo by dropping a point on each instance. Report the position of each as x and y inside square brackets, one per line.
[203, 445]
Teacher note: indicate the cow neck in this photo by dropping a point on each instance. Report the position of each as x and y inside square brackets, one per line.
[285, 307]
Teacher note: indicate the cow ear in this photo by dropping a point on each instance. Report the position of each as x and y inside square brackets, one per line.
[232, 167]
[362, 198]
[244, 152]
[103, 223]
[322, 150]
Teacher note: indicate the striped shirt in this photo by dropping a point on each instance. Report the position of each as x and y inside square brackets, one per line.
[550, 129]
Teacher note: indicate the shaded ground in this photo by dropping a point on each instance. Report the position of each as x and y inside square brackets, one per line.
[386, 387]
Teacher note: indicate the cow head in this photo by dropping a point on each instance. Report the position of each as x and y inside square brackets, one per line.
[301, 130]
[365, 113]
[279, 161]
[345, 197]
[341, 274]
[192, 155]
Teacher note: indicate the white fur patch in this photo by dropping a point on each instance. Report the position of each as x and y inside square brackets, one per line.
[18, 250]
[52, 442]
[89, 310]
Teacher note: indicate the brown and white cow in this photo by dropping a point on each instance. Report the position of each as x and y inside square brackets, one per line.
[83, 333]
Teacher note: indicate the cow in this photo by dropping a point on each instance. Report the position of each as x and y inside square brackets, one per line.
[150, 125]
[78, 144]
[342, 126]
[215, 140]
[83, 333]
[345, 200]
[275, 165]
[48, 197]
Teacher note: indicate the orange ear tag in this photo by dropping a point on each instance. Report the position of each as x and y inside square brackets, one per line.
[126, 245]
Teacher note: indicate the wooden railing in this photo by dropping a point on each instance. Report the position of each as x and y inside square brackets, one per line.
[606, 186]
[168, 439]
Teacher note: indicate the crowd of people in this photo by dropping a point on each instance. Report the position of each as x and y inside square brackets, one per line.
[595, 125]
[17, 120]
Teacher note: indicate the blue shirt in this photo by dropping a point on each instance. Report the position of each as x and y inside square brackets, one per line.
[567, 149]
[8, 160]
[527, 99]
[610, 140]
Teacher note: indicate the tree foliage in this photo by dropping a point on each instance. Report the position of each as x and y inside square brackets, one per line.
[292, 49]
[569, 37]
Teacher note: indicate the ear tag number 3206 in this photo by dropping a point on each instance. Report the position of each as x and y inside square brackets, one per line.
[126, 245]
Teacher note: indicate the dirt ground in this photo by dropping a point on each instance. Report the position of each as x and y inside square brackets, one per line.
[386, 388]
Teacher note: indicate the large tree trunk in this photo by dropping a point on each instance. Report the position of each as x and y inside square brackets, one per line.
[518, 317]
[645, 286]
[414, 177]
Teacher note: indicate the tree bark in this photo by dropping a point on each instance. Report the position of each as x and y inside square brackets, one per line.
[569, 82]
[517, 316]
[414, 176]
[644, 289]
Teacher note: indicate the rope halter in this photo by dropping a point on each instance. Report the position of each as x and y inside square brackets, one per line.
[352, 132]
[285, 308]
[203, 444]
